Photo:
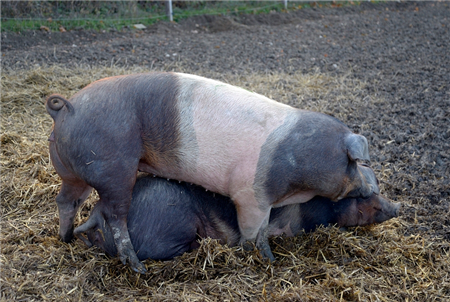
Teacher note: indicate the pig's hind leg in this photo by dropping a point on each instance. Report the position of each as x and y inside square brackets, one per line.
[73, 193]
[115, 191]
[70, 198]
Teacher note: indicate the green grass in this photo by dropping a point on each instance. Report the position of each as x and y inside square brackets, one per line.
[117, 15]
[229, 8]
[55, 25]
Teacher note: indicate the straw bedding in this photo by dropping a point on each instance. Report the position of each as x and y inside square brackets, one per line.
[387, 262]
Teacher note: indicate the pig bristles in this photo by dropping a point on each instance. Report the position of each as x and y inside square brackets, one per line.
[388, 262]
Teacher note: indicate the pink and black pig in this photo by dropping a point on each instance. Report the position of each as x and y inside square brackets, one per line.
[166, 218]
[260, 153]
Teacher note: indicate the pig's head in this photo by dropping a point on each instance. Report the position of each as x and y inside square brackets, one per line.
[360, 181]
[318, 155]
[349, 173]
[365, 211]
[358, 210]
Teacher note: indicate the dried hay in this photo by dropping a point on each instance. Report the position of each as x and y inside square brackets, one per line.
[376, 263]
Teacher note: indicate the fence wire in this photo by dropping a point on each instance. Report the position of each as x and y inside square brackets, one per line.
[232, 5]
[62, 15]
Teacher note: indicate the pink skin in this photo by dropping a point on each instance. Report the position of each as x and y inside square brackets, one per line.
[235, 157]
[219, 160]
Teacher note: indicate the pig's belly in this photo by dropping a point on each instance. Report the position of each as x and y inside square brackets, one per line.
[219, 168]
[278, 231]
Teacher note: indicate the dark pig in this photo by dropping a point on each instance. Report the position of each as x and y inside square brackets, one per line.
[259, 152]
[166, 218]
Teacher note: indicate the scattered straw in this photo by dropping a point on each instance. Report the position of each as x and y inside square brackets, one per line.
[383, 263]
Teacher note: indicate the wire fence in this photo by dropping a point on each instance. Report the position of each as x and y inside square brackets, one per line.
[161, 16]
[17, 15]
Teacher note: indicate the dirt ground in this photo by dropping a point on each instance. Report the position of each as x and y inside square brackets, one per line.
[383, 69]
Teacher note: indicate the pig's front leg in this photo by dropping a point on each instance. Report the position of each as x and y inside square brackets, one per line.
[253, 219]
[262, 240]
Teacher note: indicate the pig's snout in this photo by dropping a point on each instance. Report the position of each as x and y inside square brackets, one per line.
[387, 209]
[66, 234]
[395, 209]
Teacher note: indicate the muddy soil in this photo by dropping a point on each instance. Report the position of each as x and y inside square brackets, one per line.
[401, 50]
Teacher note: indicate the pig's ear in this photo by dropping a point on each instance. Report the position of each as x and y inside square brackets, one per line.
[357, 147]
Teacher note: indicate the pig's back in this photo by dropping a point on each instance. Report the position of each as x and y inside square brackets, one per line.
[182, 126]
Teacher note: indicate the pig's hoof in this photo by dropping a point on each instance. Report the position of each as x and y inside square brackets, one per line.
[135, 264]
[266, 252]
[248, 246]
[84, 239]
[138, 267]
[67, 237]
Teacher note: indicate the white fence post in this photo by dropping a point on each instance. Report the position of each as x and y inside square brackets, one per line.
[285, 4]
[169, 9]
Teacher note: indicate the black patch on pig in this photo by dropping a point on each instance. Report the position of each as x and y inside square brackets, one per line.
[155, 96]
[304, 159]
[321, 211]
[166, 218]
[117, 122]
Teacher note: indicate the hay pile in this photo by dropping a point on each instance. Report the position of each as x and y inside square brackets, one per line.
[378, 263]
